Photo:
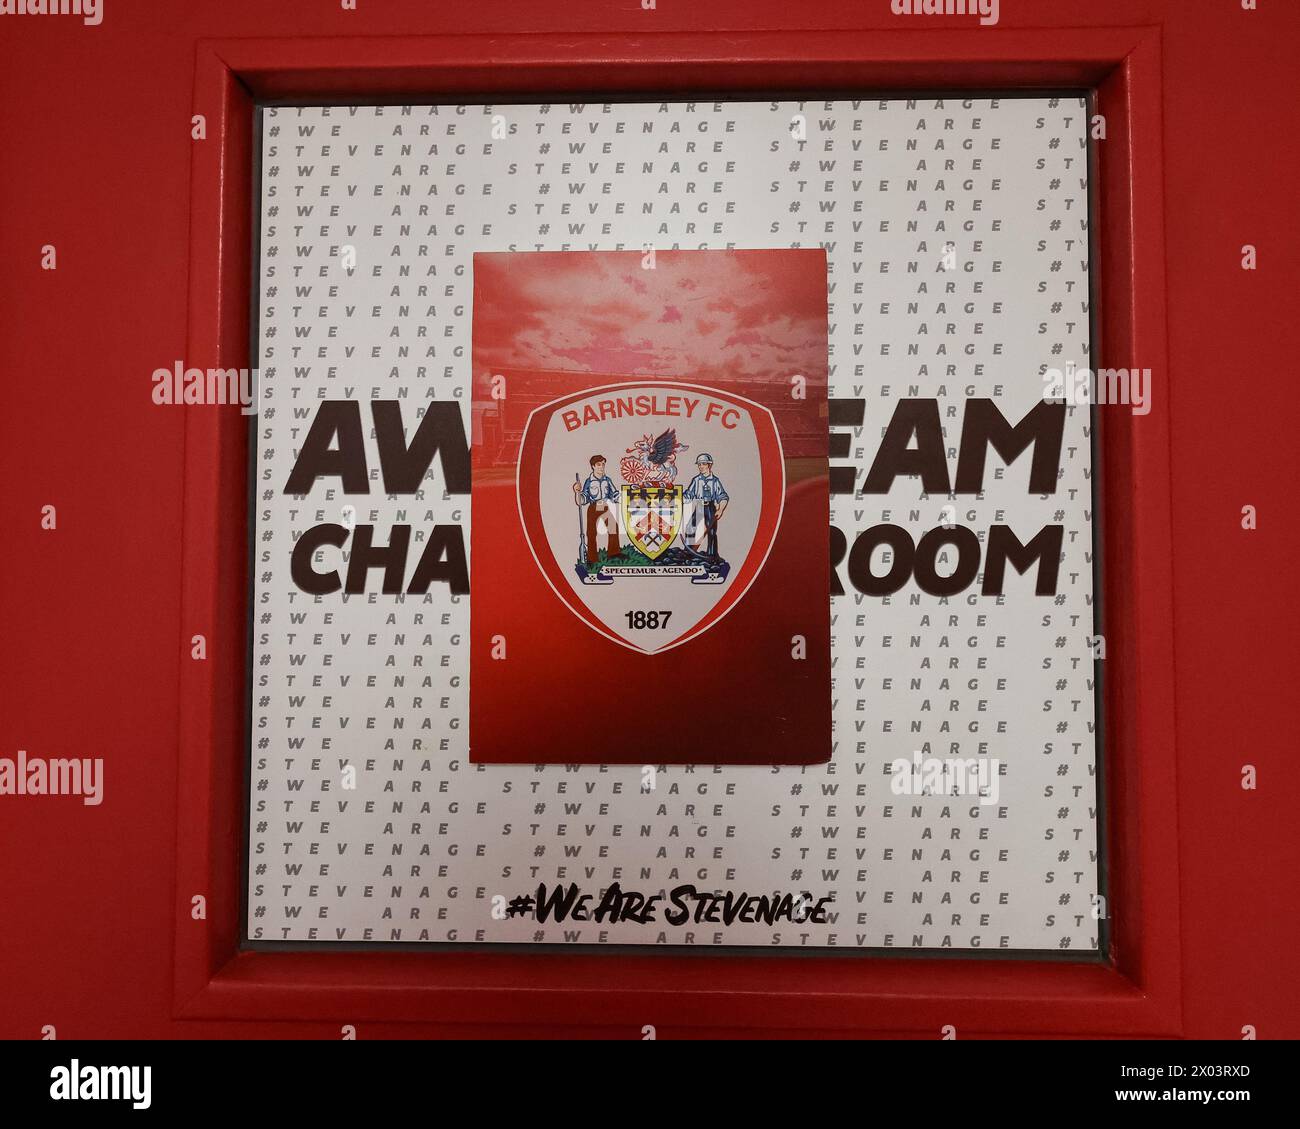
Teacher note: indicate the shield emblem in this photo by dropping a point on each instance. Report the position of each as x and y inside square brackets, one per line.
[652, 516]
[607, 478]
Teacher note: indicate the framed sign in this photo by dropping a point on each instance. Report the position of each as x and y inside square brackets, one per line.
[636, 521]
[646, 520]
[944, 437]
[895, 746]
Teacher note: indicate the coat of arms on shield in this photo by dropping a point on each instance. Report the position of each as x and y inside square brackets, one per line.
[652, 515]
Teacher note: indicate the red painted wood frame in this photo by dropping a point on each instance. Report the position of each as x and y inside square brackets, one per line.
[1136, 992]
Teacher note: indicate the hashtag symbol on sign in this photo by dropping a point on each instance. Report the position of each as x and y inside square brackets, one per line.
[520, 906]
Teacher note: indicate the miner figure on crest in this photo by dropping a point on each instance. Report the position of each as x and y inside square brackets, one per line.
[707, 492]
[596, 493]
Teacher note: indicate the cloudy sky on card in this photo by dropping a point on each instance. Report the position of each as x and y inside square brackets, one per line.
[698, 315]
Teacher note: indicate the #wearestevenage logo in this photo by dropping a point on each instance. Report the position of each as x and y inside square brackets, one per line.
[623, 492]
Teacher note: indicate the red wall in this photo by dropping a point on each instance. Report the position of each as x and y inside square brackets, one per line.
[95, 159]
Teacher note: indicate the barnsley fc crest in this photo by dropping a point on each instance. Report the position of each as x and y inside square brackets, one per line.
[650, 507]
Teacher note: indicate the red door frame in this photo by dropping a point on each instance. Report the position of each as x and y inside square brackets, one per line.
[1136, 992]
